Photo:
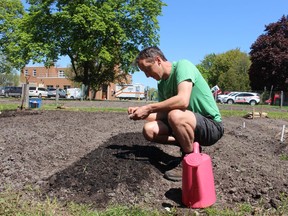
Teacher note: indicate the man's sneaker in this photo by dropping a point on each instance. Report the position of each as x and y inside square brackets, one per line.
[173, 163]
[174, 174]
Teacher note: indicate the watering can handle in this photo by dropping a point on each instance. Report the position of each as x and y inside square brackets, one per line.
[196, 147]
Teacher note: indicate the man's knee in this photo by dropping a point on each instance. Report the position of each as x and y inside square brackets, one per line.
[148, 131]
[179, 117]
[174, 116]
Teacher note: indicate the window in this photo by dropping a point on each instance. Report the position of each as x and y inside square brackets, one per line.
[66, 86]
[34, 73]
[26, 72]
[245, 95]
[41, 89]
[32, 88]
[61, 73]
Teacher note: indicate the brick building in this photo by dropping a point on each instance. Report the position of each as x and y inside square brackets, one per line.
[55, 76]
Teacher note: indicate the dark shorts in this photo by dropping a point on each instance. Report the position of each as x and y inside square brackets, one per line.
[207, 131]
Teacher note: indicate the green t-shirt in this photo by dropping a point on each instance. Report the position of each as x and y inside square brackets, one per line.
[201, 100]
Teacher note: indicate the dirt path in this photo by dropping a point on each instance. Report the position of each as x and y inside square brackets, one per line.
[101, 158]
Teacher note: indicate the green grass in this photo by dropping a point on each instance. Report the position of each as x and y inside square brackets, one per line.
[87, 109]
[284, 157]
[240, 113]
[54, 107]
[8, 107]
[16, 203]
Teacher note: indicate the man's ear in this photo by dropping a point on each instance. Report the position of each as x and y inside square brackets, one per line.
[158, 60]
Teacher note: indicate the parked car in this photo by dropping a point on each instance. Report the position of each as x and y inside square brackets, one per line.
[2, 91]
[12, 91]
[223, 97]
[244, 97]
[35, 91]
[52, 92]
[273, 100]
[73, 93]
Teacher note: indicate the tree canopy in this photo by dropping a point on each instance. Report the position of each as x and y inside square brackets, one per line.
[6, 66]
[11, 12]
[205, 67]
[269, 57]
[228, 70]
[100, 37]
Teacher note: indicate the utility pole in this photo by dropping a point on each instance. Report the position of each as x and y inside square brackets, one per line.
[57, 94]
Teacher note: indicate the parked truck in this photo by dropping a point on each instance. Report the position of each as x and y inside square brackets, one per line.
[73, 93]
[130, 91]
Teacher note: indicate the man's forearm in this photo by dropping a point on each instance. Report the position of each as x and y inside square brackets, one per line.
[172, 103]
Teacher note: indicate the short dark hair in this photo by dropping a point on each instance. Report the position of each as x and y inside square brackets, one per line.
[150, 53]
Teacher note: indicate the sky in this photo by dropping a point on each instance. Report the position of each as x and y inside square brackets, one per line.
[192, 29]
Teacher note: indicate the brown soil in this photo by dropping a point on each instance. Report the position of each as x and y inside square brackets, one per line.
[102, 159]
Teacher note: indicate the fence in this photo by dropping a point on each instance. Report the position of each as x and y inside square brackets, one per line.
[276, 98]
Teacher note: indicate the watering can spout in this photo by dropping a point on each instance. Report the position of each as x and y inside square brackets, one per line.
[196, 147]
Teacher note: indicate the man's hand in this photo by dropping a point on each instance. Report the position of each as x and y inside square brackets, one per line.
[131, 111]
[138, 113]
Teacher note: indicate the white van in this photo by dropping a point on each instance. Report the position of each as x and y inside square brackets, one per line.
[73, 93]
[39, 92]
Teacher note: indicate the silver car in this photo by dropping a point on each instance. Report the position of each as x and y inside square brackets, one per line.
[52, 92]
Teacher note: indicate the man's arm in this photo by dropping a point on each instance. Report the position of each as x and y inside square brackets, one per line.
[179, 101]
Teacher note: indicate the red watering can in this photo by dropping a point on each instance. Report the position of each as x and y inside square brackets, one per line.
[198, 190]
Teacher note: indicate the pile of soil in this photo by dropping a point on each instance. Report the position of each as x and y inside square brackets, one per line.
[102, 159]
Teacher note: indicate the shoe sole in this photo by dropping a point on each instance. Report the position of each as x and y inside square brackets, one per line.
[172, 178]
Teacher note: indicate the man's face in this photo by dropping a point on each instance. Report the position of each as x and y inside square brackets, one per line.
[151, 68]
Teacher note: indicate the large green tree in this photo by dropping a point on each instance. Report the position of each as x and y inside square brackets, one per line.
[205, 67]
[269, 56]
[234, 76]
[10, 78]
[228, 70]
[6, 66]
[100, 37]
[11, 14]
